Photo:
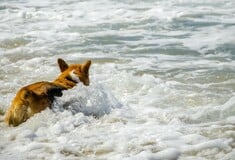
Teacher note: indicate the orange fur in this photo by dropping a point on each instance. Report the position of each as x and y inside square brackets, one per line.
[36, 97]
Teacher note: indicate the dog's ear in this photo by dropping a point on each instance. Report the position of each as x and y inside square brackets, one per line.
[62, 64]
[86, 66]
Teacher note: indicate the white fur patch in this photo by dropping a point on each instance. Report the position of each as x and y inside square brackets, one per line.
[74, 77]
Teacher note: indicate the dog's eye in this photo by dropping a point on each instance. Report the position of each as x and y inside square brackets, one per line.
[68, 78]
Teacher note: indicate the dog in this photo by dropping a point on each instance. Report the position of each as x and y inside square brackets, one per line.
[36, 97]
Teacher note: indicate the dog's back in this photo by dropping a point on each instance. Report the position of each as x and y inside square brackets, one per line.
[31, 99]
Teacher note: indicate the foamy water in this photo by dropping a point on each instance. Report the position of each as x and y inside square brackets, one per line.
[162, 79]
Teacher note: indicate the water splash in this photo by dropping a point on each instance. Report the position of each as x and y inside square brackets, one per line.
[95, 100]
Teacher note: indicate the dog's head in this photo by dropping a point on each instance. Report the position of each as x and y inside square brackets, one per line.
[76, 72]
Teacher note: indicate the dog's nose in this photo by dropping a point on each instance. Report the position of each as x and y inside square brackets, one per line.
[87, 82]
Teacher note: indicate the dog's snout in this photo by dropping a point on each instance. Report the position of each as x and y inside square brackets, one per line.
[87, 83]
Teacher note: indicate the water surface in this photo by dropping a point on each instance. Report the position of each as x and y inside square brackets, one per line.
[162, 78]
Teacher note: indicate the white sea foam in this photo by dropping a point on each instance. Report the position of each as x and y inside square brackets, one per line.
[162, 79]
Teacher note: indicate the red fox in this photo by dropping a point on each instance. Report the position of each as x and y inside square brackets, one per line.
[36, 97]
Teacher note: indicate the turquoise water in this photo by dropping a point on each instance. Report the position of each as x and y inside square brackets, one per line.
[162, 78]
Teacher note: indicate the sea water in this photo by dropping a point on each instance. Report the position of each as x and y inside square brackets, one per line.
[162, 79]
